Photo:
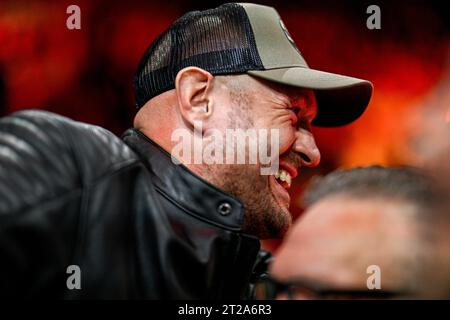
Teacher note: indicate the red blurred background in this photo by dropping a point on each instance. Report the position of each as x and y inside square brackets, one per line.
[87, 74]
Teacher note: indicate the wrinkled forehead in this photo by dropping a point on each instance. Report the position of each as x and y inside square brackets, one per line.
[370, 214]
[338, 238]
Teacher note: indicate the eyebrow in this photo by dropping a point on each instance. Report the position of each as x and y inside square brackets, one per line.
[309, 104]
[292, 96]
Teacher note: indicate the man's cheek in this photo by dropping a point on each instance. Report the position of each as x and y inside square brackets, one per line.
[286, 139]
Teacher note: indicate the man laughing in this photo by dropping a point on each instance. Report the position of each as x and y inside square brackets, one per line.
[139, 225]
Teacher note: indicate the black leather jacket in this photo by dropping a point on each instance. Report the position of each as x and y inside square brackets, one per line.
[136, 224]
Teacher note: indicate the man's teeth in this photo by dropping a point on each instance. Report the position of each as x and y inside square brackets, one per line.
[283, 176]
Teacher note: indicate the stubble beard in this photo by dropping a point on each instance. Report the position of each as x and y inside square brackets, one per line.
[263, 216]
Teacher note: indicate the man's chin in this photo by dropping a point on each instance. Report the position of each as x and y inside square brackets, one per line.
[279, 222]
[286, 225]
[282, 214]
[267, 216]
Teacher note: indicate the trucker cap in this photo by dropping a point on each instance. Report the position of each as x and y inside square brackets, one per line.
[246, 38]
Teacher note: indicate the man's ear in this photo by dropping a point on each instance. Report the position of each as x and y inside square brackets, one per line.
[193, 88]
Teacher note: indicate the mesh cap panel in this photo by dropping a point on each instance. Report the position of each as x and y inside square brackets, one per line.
[218, 40]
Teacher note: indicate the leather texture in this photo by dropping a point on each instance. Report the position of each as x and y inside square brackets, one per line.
[137, 225]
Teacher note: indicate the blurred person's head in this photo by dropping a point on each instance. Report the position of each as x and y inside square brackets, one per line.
[429, 145]
[365, 218]
[236, 67]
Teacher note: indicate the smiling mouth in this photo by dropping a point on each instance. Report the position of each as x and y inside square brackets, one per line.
[283, 178]
[280, 182]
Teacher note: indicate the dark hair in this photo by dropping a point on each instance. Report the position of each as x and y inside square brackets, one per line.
[406, 183]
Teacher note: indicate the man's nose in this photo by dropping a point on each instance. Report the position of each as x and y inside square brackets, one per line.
[305, 146]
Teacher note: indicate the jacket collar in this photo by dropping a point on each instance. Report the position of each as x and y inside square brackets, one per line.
[179, 185]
